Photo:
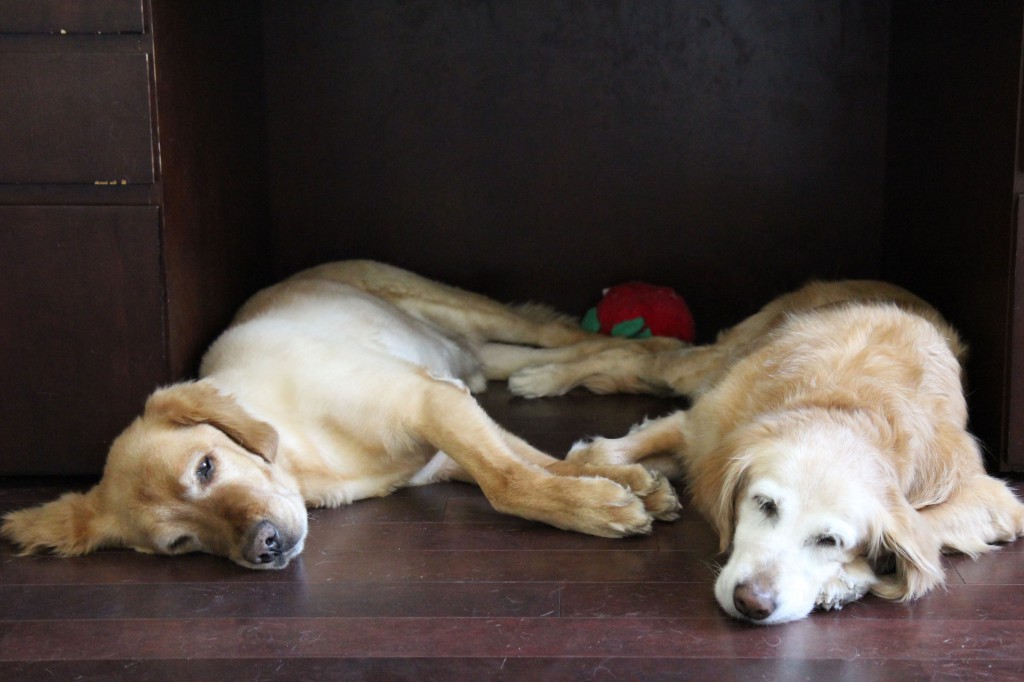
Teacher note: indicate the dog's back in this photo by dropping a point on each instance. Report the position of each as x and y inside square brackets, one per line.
[796, 313]
[871, 358]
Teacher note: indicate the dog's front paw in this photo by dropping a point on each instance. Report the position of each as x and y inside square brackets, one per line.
[599, 451]
[653, 489]
[661, 501]
[1006, 522]
[607, 509]
[853, 581]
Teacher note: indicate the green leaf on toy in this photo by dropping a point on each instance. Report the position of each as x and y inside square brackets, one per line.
[629, 328]
[590, 322]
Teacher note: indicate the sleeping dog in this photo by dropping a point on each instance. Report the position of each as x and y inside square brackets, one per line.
[827, 444]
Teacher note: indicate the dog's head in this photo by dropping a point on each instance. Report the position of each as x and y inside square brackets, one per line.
[194, 473]
[811, 514]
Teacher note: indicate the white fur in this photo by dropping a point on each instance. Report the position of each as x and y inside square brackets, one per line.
[812, 499]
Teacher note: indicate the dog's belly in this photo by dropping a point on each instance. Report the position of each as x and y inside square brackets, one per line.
[333, 491]
[338, 378]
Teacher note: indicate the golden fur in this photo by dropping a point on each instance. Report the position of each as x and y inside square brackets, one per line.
[342, 382]
[827, 444]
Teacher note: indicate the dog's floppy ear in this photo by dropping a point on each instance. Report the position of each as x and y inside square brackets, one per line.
[199, 402]
[714, 483]
[905, 535]
[71, 525]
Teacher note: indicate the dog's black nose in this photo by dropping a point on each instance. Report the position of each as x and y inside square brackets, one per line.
[263, 545]
[753, 600]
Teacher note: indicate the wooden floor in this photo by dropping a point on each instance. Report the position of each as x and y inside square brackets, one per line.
[431, 583]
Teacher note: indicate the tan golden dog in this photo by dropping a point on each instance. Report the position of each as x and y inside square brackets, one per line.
[827, 439]
[343, 382]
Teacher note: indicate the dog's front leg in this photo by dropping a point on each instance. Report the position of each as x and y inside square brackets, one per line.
[451, 420]
[658, 444]
[657, 494]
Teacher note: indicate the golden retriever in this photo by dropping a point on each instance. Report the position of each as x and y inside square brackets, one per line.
[343, 382]
[827, 444]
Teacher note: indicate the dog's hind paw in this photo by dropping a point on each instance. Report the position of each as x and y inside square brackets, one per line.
[539, 381]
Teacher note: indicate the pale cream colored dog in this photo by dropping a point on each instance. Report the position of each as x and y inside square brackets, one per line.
[343, 382]
[827, 444]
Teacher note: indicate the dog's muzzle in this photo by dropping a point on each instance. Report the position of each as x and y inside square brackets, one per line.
[754, 600]
[265, 546]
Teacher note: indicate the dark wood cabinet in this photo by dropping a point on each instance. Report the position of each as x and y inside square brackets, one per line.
[194, 150]
[130, 211]
[71, 16]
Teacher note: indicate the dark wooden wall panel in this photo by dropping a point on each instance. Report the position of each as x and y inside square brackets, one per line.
[545, 150]
[81, 328]
[208, 63]
[952, 127]
[1015, 374]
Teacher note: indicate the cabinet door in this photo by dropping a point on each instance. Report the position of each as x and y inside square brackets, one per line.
[81, 332]
[75, 118]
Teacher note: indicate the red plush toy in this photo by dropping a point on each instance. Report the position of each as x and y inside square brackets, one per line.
[639, 310]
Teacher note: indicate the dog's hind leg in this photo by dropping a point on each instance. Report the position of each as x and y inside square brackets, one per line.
[473, 316]
[657, 366]
[451, 420]
[601, 364]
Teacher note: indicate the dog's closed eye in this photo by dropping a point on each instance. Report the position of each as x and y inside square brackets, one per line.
[825, 541]
[179, 543]
[767, 506]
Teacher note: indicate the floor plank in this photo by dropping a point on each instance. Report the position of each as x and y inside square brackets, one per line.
[413, 669]
[237, 637]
